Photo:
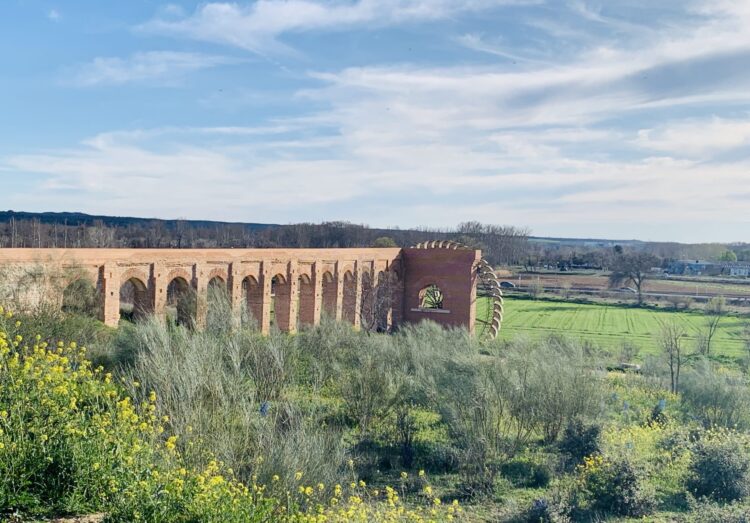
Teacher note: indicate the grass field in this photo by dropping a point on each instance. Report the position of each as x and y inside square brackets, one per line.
[609, 325]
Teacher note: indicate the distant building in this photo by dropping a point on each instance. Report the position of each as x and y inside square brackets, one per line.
[693, 267]
[739, 269]
[709, 268]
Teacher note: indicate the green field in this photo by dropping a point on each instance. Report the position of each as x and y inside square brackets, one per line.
[609, 325]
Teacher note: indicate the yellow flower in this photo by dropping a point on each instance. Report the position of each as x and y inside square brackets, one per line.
[171, 442]
[298, 476]
[421, 473]
[404, 475]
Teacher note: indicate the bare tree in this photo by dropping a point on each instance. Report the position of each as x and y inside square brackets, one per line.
[671, 345]
[715, 310]
[632, 268]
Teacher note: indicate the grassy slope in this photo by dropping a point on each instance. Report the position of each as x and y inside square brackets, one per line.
[609, 325]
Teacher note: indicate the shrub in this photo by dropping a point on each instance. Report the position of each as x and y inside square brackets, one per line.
[705, 511]
[544, 510]
[527, 471]
[73, 442]
[720, 467]
[579, 441]
[716, 397]
[614, 487]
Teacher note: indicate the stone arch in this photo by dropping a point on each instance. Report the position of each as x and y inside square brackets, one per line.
[252, 294]
[306, 300]
[330, 294]
[219, 272]
[281, 293]
[181, 298]
[135, 299]
[349, 300]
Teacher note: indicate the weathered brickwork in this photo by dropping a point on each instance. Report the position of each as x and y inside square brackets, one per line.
[287, 287]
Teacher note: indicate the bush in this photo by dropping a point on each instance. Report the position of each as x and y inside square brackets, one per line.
[716, 397]
[720, 467]
[579, 441]
[527, 471]
[705, 511]
[73, 442]
[614, 487]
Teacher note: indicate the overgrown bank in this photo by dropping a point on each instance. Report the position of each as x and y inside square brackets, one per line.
[227, 425]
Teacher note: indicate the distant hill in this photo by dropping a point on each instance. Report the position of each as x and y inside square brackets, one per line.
[79, 218]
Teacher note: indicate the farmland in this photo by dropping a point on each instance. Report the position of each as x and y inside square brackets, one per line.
[610, 325]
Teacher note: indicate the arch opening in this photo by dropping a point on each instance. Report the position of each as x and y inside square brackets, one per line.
[181, 302]
[82, 297]
[383, 303]
[431, 297]
[366, 302]
[281, 299]
[134, 299]
[306, 300]
[349, 302]
[219, 306]
[330, 294]
[252, 298]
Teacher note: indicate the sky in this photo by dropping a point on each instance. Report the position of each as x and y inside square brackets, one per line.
[612, 119]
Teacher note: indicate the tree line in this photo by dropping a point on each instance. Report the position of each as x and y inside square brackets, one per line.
[500, 244]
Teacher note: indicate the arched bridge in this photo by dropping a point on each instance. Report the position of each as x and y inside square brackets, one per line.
[379, 287]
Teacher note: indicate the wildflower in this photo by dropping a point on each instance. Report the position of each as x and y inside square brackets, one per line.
[298, 476]
[404, 475]
[171, 442]
[421, 473]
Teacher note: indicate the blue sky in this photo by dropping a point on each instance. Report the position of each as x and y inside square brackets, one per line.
[626, 119]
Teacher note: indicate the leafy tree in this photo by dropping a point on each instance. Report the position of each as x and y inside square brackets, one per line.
[728, 256]
[632, 268]
[384, 241]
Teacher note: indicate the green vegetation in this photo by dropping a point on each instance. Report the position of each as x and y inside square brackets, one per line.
[331, 424]
[609, 326]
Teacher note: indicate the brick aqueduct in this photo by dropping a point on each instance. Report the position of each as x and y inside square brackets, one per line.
[298, 285]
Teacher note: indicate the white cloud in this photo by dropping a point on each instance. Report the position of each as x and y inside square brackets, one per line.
[54, 15]
[151, 66]
[541, 145]
[257, 26]
[697, 138]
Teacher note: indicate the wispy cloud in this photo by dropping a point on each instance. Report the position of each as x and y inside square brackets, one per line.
[54, 15]
[476, 43]
[257, 26]
[634, 127]
[163, 67]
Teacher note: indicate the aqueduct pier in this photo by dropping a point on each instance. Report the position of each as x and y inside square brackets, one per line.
[284, 287]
